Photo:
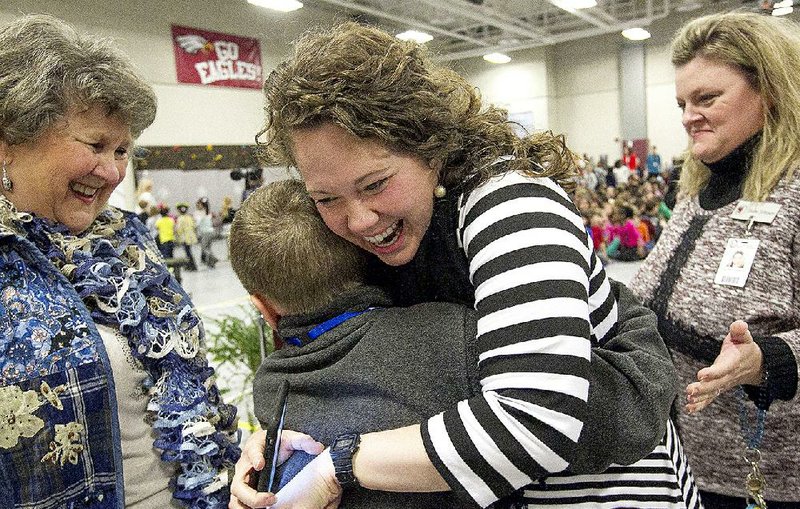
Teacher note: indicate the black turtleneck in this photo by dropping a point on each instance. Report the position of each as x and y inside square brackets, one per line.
[727, 176]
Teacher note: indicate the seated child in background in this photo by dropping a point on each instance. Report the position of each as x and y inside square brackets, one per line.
[357, 364]
[599, 224]
[644, 227]
[624, 241]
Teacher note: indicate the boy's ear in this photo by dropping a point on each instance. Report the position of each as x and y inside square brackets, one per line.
[267, 309]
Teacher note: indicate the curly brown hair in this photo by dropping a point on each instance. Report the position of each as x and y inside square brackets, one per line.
[376, 86]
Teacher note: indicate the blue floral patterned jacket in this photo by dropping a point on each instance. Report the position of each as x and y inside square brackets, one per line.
[59, 431]
[59, 437]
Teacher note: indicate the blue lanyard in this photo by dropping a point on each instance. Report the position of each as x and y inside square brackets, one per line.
[752, 437]
[324, 327]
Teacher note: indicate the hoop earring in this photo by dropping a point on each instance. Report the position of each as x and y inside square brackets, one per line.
[7, 184]
[440, 191]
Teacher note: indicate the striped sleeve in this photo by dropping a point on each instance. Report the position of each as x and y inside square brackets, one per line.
[537, 285]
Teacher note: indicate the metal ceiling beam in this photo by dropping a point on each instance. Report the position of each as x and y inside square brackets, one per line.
[599, 17]
[535, 36]
[566, 37]
[489, 16]
[411, 22]
[607, 17]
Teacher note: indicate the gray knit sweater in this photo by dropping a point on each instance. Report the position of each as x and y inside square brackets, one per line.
[383, 369]
[695, 315]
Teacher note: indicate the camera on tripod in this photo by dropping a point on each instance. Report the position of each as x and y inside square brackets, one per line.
[250, 175]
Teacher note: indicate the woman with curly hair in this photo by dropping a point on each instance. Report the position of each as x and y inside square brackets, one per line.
[402, 160]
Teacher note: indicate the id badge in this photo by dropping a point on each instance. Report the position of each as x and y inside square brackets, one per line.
[759, 212]
[736, 262]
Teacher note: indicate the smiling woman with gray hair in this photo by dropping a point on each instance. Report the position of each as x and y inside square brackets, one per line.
[105, 397]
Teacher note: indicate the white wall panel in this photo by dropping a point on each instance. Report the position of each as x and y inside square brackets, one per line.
[198, 115]
[590, 122]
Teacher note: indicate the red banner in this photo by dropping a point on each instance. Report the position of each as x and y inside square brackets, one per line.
[212, 58]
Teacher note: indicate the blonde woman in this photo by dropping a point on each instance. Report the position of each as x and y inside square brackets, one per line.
[737, 84]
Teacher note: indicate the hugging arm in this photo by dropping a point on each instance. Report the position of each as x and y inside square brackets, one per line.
[633, 385]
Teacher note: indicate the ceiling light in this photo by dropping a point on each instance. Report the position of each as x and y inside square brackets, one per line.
[414, 35]
[636, 34]
[782, 8]
[497, 58]
[574, 5]
[278, 5]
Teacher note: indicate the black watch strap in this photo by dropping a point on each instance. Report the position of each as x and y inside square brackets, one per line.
[342, 450]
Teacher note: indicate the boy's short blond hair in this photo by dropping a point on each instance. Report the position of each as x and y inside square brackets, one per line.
[282, 250]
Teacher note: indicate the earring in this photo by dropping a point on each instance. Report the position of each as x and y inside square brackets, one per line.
[439, 191]
[7, 184]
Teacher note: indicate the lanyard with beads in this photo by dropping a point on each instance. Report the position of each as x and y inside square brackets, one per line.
[755, 482]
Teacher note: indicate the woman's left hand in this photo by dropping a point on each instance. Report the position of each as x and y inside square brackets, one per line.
[739, 362]
[243, 496]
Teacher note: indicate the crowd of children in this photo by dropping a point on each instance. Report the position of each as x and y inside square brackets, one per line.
[184, 229]
[623, 208]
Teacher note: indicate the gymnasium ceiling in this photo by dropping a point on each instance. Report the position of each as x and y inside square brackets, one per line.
[468, 28]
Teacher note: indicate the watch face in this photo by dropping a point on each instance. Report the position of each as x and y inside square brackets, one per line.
[344, 443]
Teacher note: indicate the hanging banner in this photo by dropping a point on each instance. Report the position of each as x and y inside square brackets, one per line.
[212, 58]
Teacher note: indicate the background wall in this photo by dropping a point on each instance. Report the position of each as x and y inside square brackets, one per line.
[585, 94]
[520, 86]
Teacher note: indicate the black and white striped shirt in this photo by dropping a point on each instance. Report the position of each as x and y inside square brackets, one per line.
[543, 299]
[661, 480]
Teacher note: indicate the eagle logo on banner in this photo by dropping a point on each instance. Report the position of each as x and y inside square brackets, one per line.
[194, 43]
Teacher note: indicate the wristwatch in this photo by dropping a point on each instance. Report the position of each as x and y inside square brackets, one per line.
[342, 450]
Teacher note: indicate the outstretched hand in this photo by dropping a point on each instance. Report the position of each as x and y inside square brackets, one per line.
[739, 362]
[243, 496]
